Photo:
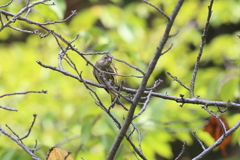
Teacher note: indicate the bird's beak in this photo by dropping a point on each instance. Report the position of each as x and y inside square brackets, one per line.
[109, 60]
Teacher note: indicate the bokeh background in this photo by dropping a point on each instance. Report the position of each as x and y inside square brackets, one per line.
[130, 30]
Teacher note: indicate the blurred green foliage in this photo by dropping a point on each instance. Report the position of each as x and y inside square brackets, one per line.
[68, 116]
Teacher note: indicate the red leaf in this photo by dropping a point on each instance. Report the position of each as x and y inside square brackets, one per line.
[214, 128]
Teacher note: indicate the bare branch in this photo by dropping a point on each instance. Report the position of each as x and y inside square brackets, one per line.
[118, 96]
[29, 151]
[218, 142]
[30, 129]
[174, 34]
[65, 158]
[129, 66]
[158, 9]
[136, 155]
[235, 106]
[139, 137]
[204, 35]
[25, 31]
[20, 93]
[9, 109]
[61, 54]
[142, 87]
[5, 5]
[12, 131]
[199, 141]
[170, 47]
[27, 13]
[156, 84]
[183, 149]
[35, 147]
[94, 53]
[100, 104]
[16, 16]
[144, 106]
[218, 118]
[73, 13]
[176, 79]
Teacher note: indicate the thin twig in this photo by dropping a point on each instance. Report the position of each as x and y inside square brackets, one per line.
[183, 149]
[12, 131]
[199, 141]
[217, 143]
[121, 75]
[170, 47]
[134, 67]
[16, 16]
[100, 104]
[20, 93]
[204, 35]
[30, 129]
[144, 106]
[138, 95]
[5, 5]
[158, 9]
[218, 118]
[136, 155]
[25, 31]
[139, 137]
[61, 21]
[174, 34]
[68, 153]
[9, 109]
[234, 106]
[35, 146]
[29, 151]
[61, 56]
[94, 53]
[156, 84]
[27, 13]
[176, 79]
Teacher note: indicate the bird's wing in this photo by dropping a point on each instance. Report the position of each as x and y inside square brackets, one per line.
[109, 69]
[98, 78]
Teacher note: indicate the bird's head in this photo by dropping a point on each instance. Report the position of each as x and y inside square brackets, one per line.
[106, 60]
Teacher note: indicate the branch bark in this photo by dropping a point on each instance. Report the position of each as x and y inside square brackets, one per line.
[142, 87]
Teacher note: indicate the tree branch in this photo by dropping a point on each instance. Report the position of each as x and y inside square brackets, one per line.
[235, 106]
[141, 89]
[218, 142]
[204, 35]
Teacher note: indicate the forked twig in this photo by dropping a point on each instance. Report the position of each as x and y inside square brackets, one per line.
[30, 129]
[218, 142]
[170, 47]
[218, 118]
[141, 89]
[144, 106]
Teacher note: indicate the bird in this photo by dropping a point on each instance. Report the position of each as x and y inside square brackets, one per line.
[104, 64]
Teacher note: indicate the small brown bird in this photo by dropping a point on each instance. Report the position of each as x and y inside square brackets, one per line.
[104, 64]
